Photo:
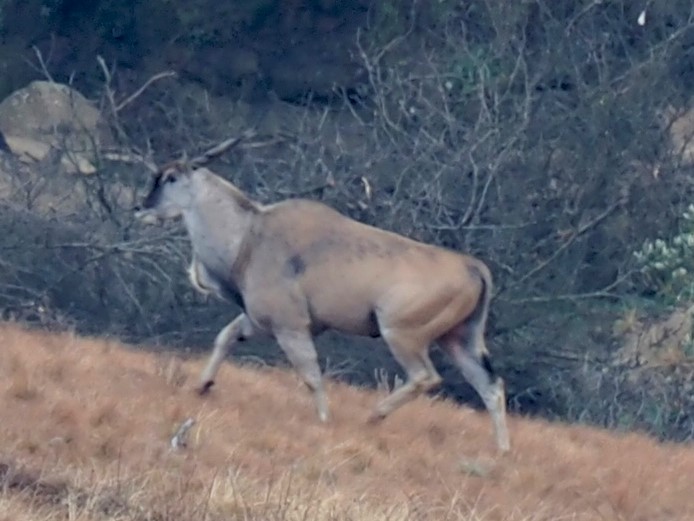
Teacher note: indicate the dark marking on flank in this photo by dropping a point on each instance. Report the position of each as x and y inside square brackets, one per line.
[369, 248]
[487, 364]
[324, 245]
[382, 250]
[296, 265]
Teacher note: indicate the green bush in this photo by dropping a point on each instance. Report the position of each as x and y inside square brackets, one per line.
[666, 265]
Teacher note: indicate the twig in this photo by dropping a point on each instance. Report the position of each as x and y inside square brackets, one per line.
[138, 92]
[473, 192]
[43, 67]
[601, 293]
[130, 157]
[557, 298]
[260, 144]
[580, 231]
[111, 98]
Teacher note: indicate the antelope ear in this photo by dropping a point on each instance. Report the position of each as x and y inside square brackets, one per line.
[173, 165]
[179, 166]
[187, 166]
[183, 165]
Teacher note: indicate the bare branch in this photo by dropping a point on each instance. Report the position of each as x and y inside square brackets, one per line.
[110, 96]
[580, 231]
[42, 64]
[131, 158]
[138, 92]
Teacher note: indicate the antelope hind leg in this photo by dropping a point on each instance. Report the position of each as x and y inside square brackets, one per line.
[421, 376]
[478, 372]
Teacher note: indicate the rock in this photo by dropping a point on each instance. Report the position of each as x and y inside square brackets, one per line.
[30, 150]
[44, 116]
[655, 343]
[681, 133]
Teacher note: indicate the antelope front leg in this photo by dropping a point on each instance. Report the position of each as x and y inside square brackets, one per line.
[299, 348]
[237, 330]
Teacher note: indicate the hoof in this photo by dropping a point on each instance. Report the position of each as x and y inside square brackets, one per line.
[374, 419]
[205, 388]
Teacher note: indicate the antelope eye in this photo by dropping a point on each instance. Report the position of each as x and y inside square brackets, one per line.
[171, 179]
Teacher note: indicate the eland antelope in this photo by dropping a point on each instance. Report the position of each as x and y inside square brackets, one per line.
[297, 267]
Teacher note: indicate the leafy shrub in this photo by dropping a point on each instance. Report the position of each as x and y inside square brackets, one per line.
[667, 264]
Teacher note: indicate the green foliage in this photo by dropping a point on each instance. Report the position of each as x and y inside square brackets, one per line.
[464, 70]
[391, 19]
[470, 69]
[199, 22]
[204, 22]
[667, 265]
[193, 22]
[443, 8]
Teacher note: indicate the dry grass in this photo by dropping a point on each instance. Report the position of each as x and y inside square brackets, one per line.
[86, 424]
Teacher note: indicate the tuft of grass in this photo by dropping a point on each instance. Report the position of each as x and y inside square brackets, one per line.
[473, 467]
[64, 414]
[21, 385]
[170, 369]
[104, 414]
[627, 324]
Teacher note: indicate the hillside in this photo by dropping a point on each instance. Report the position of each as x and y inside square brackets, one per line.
[86, 423]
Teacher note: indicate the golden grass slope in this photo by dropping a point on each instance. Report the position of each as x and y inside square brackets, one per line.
[85, 426]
